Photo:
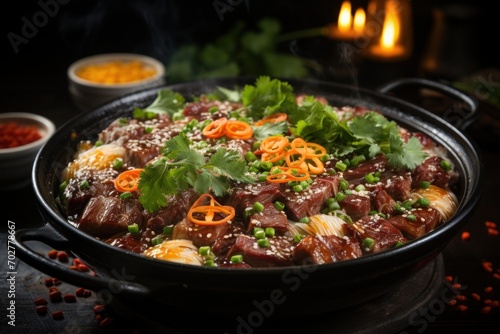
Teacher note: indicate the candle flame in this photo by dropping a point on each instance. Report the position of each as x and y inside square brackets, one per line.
[344, 22]
[359, 20]
[390, 30]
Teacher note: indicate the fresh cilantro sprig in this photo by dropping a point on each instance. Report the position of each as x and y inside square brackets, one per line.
[268, 96]
[183, 167]
[167, 101]
[368, 134]
[405, 155]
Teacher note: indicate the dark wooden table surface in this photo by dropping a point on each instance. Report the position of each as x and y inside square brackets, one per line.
[43, 90]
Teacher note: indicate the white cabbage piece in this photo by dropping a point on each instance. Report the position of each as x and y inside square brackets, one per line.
[179, 250]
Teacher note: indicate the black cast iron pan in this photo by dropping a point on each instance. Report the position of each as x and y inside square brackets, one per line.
[292, 290]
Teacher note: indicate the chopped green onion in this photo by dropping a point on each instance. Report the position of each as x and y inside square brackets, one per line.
[248, 212]
[370, 178]
[325, 158]
[169, 229]
[382, 215]
[258, 207]
[213, 109]
[297, 188]
[209, 263]
[63, 186]
[84, 185]
[425, 184]
[270, 231]
[407, 204]
[118, 163]
[263, 243]
[341, 166]
[411, 218]
[304, 184]
[237, 258]
[253, 170]
[279, 205]
[446, 165]
[344, 184]
[340, 197]
[204, 250]
[259, 233]
[398, 244]
[297, 237]
[98, 143]
[357, 159]
[156, 240]
[250, 156]
[279, 162]
[123, 121]
[329, 201]
[133, 228]
[256, 145]
[262, 177]
[125, 195]
[304, 220]
[360, 187]
[266, 165]
[368, 243]
[334, 206]
[399, 208]
[423, 202]
[148, 129]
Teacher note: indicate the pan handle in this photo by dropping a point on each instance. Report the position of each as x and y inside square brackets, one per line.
[458, 115]
[47, 235]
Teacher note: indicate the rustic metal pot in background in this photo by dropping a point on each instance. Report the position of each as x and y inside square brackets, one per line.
[293, 290]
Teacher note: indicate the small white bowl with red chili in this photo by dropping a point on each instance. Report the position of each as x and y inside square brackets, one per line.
[21, 137]
[98, 79]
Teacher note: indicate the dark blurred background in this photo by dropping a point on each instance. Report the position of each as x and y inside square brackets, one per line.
[65, 30]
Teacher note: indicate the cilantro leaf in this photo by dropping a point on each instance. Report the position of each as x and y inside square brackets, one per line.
[405, 155]
[322, 126]
[183, 167]
[167, 101]
[372, 127]
[269, 129]
[267, 97]
[227, 163]
[154, 184]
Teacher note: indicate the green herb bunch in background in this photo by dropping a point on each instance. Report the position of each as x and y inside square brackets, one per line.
[239, 52]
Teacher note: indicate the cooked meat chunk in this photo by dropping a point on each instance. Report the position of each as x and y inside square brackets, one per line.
[244, 196]
[136, 243]
[219, 237]
[269, 217]
[426, 219]
[104, 216]
[376, 234]
[277, 254]
[176, 209]
[309, 201]
[432, 171]
[356, 175]
[355, 206]
[325, 249]
[382, 201]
